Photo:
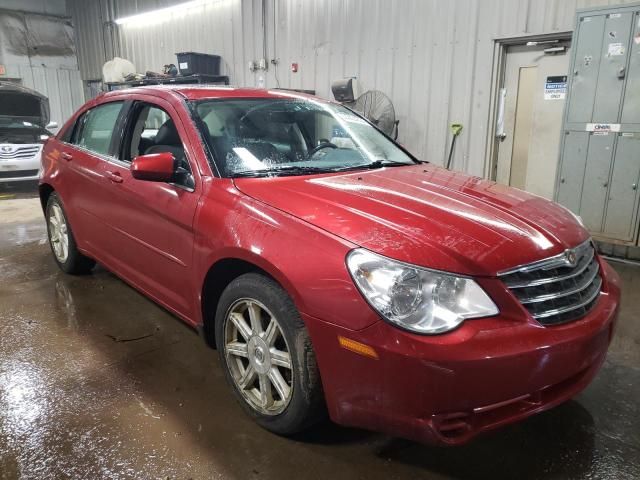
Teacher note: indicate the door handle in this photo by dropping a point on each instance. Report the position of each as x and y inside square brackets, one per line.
[66, 156]
[500, 133]
[114, 177]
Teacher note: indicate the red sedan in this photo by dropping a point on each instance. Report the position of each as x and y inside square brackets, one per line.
[332, 270]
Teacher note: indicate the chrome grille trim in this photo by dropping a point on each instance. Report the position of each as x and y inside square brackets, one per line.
[581, 267]
[556, 260]
[557, 289]
[21, 153]
[592, 296]
[584, 283]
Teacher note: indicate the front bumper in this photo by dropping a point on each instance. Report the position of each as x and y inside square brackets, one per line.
[446, 389]
[14, 168]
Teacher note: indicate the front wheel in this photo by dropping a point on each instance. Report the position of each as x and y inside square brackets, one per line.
[62, 242]
[267, 355]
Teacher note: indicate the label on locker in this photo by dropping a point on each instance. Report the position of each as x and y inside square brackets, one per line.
[615, 49]
[602, 127]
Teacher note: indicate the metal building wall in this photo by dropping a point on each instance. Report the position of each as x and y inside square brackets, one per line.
[39, 50]
[434, 58]
[214, 27]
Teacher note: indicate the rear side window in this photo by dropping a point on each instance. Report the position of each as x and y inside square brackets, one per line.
[96, 127]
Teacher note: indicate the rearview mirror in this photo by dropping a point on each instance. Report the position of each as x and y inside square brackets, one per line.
[155, 167]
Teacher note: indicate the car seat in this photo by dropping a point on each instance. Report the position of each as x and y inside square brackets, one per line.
[168, 140]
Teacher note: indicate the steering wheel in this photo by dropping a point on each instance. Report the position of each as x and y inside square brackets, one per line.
[323, 144]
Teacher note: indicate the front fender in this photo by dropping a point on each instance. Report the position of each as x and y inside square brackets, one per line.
[308, 262]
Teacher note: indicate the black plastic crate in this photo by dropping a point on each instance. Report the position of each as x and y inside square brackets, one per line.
[192, 63]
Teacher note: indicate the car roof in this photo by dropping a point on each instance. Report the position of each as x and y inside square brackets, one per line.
[202, 92]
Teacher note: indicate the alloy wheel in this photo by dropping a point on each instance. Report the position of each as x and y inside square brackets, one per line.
[58, 233]
[258, 357]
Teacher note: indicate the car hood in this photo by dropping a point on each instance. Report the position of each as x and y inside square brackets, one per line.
[21, 103]
[426, 215]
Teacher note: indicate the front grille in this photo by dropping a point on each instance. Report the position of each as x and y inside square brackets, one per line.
[18, 173]
[556, 290]
[26, 152]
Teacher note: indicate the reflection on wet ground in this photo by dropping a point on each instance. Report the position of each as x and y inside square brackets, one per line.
[98, 382]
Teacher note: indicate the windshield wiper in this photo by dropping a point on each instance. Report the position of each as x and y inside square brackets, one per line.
[281, 170]
[373, 165]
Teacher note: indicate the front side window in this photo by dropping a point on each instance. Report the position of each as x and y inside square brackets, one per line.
[258, 137]
[151, 130]
[96, 129]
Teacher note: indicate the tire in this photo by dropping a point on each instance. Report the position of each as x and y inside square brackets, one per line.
[62, 242]
[294, 409]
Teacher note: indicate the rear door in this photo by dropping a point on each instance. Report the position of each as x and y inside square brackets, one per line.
[82, 156]
[153, 221]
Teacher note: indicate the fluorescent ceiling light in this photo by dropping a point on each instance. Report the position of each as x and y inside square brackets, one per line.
[160, 14]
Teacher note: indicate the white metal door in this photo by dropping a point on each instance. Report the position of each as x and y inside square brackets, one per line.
[534, 95]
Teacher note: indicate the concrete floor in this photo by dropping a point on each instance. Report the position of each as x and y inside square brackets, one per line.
[98, 382]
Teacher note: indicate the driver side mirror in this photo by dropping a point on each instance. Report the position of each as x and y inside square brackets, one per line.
[155, 167]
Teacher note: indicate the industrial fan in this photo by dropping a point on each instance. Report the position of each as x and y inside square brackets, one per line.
[373, 105]
[376, 107]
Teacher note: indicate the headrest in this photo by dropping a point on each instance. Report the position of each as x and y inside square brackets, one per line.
[168, 134]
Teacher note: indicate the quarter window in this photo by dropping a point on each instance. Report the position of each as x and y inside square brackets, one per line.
[97, 127]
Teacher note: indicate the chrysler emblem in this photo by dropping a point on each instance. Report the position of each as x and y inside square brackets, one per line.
[571, 258]
[6, 149]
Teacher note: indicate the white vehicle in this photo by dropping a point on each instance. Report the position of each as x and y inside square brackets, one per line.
[24, 124]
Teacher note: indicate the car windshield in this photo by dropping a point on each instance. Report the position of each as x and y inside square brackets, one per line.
[264, 137]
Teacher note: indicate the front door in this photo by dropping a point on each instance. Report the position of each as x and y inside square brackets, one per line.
[153, 221]
[534, 90]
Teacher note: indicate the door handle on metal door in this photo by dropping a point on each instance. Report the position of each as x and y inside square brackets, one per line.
[66, 156]
[500, 133]
[114, 177]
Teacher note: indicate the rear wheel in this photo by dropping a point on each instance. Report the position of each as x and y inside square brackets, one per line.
[267, 355]
[62, 242]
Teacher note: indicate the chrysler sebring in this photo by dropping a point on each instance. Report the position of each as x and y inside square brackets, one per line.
[333, 271]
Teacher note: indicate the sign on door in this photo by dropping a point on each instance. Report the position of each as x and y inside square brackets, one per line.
[555, 88]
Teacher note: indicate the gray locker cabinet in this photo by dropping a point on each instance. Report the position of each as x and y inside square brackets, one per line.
[599, 172]
[596, 181]
[615, 47]
[622, 208]
[631, 107]
[585, 72]
[572, 171]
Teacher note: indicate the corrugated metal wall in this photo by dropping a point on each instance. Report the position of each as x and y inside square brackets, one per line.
[39, 51]
[434, 58]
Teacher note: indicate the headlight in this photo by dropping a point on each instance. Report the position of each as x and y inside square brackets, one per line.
[416, 299]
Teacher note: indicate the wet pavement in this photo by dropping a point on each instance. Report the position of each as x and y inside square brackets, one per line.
[98, 382]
